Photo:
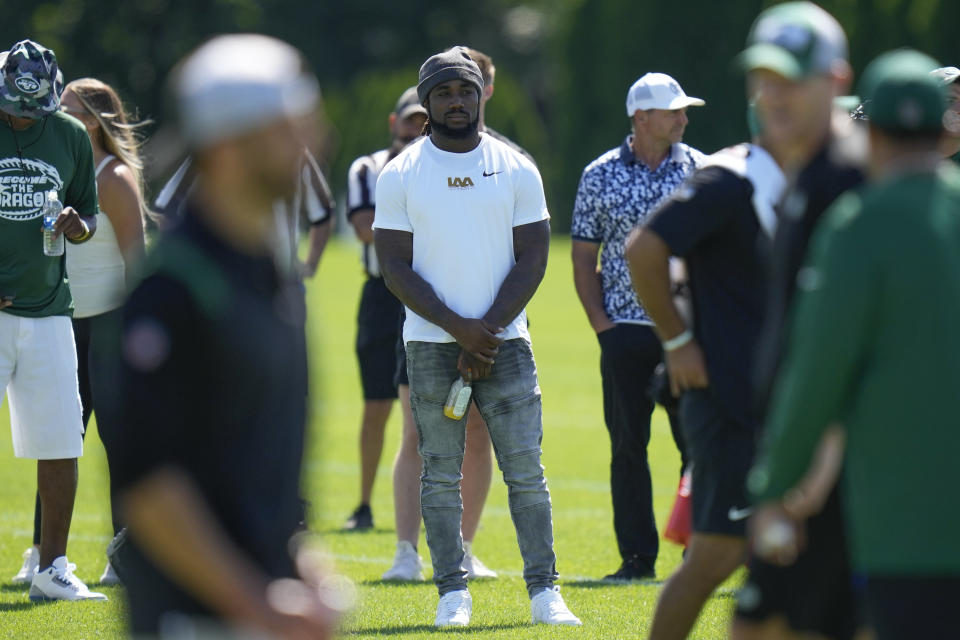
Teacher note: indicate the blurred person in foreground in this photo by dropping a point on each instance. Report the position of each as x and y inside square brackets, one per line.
[100, 269]
[874, 326]
[720, 222]
[617, 192]
[215, 366]
[796, 66]
[311, 204]
[43, 150]
[465, 280]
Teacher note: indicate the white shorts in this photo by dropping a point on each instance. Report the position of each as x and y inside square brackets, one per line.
[38, 369]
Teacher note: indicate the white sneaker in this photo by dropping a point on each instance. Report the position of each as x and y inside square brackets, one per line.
[472, 565]
[109, 577]
[406, 564]
[548, 607]
[57, 582]
[454, 609]
[31, 562]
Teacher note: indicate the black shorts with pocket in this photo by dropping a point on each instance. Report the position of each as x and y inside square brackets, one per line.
[721, 451]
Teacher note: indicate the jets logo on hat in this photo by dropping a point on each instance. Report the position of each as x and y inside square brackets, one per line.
[27, 84]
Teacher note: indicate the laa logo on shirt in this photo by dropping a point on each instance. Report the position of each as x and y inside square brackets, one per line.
[459, 183]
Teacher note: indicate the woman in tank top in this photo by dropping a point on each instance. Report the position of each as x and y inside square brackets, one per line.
[98, 269]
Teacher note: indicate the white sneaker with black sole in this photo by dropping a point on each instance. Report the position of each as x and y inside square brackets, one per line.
[548, 607]
[57, 582]
[475, 569]
[454, 609]
[407, 565]
[31, 562]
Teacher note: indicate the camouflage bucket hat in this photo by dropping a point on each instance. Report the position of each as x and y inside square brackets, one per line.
[30, 81]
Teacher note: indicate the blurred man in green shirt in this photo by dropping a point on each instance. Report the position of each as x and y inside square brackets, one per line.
[874, 327]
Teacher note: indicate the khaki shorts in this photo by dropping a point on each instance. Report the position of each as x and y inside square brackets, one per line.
[38, 370]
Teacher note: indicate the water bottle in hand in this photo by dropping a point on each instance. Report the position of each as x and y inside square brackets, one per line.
[458, 399]
[52, 245]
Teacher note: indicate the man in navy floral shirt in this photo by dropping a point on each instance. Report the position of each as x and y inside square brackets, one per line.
[617, 191]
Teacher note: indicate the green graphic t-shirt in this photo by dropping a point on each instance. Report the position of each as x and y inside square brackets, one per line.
[55, 155]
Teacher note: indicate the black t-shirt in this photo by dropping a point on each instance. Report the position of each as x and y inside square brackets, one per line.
[214, 383]
[710, 222]
[829, 174]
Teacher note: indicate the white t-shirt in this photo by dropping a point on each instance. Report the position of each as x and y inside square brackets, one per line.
[461, 209]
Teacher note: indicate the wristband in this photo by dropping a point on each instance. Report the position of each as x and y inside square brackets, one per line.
[678, 341]
[83, 237]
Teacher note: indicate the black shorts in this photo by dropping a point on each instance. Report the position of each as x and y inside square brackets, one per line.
[814, 594]
[721, 451]
[377, 339]
[912, 606]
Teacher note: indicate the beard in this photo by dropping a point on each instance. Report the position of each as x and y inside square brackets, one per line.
[456, 133]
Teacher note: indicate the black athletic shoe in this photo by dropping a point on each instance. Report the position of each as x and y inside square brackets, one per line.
[633, 568]
[361, 520]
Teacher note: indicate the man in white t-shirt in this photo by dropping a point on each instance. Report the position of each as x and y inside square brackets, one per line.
[462, 234]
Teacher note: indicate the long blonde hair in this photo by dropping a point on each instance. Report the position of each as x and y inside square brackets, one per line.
[119, 136]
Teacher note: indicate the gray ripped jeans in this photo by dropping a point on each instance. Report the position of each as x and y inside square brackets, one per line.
[509, 401]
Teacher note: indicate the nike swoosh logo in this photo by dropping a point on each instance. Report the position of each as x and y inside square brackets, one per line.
[492, 173]
[739, 514]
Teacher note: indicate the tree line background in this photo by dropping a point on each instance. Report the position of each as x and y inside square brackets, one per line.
[563, 66]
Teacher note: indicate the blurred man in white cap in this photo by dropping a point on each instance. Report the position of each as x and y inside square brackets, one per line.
[214, 366]
[617, 191]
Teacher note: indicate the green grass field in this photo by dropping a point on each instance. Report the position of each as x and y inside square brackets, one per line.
[576, 458]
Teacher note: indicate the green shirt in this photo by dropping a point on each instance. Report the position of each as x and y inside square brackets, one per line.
[53, 155]
[874, 346]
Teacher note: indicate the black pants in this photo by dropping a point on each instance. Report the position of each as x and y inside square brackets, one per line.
[629, 356]
[912, 607]
[97, 339]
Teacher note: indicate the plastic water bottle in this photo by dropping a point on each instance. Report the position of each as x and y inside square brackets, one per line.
[52, 246]
[458, 399]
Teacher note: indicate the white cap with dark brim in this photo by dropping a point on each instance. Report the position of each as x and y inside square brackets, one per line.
[238, 83]
[658, 91]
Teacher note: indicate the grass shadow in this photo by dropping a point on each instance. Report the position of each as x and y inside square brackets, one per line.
[603, 584]
[379, 582]
[334, 530]
[20, 606]
[9, 588]
[425, 628]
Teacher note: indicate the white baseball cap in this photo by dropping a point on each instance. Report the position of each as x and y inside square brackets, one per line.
[946, 75]
[658, 91]
[237, 83]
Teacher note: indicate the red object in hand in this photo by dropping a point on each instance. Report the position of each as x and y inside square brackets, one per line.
[678, 526]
